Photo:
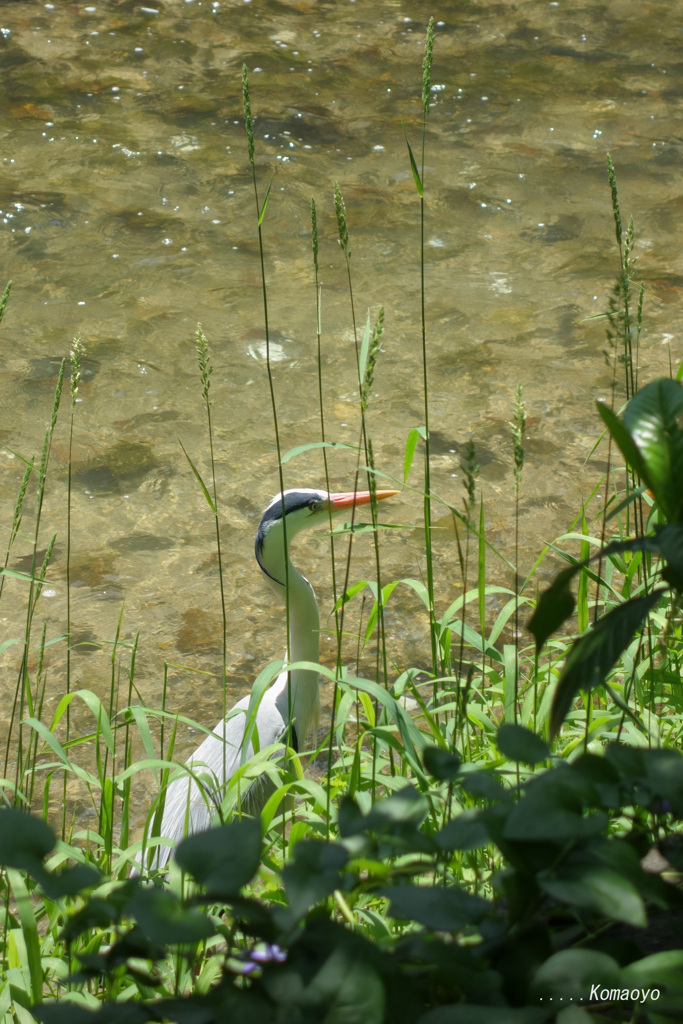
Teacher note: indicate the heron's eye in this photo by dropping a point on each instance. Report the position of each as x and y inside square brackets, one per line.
[316, 506]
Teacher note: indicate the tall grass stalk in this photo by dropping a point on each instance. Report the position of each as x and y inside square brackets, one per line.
[4, 299]
[321, 404]
[75, 381]
[205, 371]
[470, 469]
[338, 613]
[260, 214]
[23, 698]
[426, 93]
[366, 357]
[518, 426]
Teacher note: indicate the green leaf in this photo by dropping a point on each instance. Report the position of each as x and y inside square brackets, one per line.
[164, 920]
[663, 777]
[24, 841]
[15, 574]
[411, 444]
[225, 858]
[623, 439]
[203, 486]
[364, 349]
[653, 420]
[595, 653]
[552, 810]
[405, 807]
[5, 297]
[265, 203]
[300, 448]
[669, 541]
[554, 607]
[661, 970]
[71, 881]
[570, 974]
[440, 763]
[466, 832]
[520, 744]
[331, 976]
[313, 874]
[593, 883]
[21, 897]
[486, 784]
[436, 907]
[413, 165]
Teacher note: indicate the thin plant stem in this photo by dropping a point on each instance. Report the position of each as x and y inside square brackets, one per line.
[518, 426]
[260, 213]
[205, 370]
[426, 92]
[76, 361]
[23, 696]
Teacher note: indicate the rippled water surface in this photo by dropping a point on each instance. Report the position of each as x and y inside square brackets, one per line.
[127, 214]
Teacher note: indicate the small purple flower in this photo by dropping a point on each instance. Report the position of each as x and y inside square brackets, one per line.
[269, 952]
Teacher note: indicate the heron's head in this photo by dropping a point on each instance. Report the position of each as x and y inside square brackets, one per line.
[300, 509]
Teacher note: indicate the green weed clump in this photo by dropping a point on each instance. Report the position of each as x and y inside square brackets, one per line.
[492, 835]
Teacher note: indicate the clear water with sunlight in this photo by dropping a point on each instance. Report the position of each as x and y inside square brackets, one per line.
[127, 214]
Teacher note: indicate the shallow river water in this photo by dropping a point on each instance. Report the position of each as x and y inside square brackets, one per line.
[127, 214]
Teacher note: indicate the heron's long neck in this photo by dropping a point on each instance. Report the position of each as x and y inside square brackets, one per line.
[304, 621]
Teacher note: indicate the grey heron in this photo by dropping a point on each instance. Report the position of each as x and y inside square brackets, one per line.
[290, 706]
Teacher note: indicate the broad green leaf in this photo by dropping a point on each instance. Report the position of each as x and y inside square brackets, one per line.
[313, 874]
[623, 439]
[520, 744]
[669, 542]
[571, 973]
[660, 970]
[466, 832]
[332, 976]
[406, 807]
[436, 907]
[486, 784]
[440, 763]
[164, 920]
[593, 885]
[541, 816]
[225, 858]
[594, 654]
[554, 607]
[24, 839]
[653, 420]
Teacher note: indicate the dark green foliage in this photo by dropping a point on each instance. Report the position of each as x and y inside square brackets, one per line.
[442, 764]
[224, 859]
[566, 881]
[650, 437]
[520, 744]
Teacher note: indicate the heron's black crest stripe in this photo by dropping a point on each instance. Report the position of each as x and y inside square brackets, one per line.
[293, 502]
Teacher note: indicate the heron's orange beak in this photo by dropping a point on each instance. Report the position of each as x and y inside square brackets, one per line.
[350, 498]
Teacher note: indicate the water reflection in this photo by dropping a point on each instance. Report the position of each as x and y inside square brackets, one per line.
[127, 214]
